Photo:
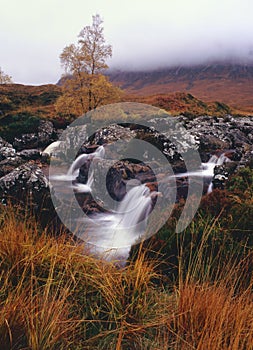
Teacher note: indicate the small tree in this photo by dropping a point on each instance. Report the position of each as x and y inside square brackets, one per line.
[85, 87]
[4, 78]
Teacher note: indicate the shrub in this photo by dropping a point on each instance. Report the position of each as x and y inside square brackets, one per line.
[16, 125]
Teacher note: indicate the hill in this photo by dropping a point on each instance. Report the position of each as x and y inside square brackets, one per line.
[183, 103]
[227, 83]
[39, 101]
[18, 98]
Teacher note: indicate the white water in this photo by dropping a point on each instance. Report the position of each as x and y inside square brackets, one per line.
[110, 235]
[206, 170]
[73, 171]
[116, 232]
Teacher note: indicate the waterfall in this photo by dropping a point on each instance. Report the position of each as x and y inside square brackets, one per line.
[135, 205]
[82, 159]
[111, 234]
[73, 171]
[206, 171]
[79, 161]
[116, 232]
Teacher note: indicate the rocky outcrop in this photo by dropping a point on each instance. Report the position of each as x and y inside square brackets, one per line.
[221, 134]
[22, 172]
[27, 180]
[40, 138]
[9, 164]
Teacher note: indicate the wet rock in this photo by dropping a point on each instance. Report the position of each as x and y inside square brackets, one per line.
[87, 149]
[113, 176]
[220, 177]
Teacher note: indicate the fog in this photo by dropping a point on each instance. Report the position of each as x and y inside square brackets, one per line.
[143, 34]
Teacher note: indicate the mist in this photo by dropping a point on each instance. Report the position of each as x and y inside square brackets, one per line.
[223, 31]
[144, 35]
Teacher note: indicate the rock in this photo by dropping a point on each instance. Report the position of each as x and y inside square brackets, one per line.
[220, 177]
[115, 175]
[71, 140]
[26, 141]
[9, 164]
[87, 149]
[29, 154]
[25, 181]
[226, 133]
[6, 150]
[112, 133]
[247, 158]
[44, 135]
[45, 132]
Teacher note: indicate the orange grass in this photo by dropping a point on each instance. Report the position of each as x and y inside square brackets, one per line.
[55, 296]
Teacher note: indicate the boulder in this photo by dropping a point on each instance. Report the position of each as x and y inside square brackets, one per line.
[9, 164]
[24, 182]
[29, 154]
[115, 176]
[220, 177]
[40, 138]
[6, 150]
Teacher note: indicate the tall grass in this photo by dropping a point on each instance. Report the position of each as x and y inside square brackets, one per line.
[54, 295]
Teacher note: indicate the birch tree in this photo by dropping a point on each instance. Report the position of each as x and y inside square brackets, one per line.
[85, 87]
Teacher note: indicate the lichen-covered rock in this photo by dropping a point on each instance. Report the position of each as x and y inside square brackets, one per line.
[24, 181]
[9, 164]
[6, 150]
[29, 154]
[221, 133]
[40, 138]
[111, 134]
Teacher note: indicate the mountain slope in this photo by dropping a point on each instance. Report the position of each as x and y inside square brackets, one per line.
[225, 82]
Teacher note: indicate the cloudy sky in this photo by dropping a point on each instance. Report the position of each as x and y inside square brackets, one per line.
[143, 33]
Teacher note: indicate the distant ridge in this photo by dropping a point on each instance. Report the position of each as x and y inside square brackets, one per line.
[230, 83]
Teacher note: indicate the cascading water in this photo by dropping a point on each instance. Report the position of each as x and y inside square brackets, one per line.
[111, 234]
[119, 230]
[73, 171]
[207, 170]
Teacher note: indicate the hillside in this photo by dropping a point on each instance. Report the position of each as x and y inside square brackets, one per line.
[183, 103]
[20, 98]
[228, 83]
[39, 101]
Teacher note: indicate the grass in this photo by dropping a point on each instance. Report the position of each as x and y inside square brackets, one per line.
[54, 296]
